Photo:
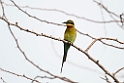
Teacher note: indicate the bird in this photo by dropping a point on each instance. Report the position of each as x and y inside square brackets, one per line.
[70, 36]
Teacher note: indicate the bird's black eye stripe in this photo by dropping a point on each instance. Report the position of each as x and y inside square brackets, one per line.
[70, 23]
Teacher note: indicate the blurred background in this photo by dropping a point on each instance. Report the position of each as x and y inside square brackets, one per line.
[89, 17]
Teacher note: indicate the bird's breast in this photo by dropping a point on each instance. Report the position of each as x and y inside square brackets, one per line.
[70, 34]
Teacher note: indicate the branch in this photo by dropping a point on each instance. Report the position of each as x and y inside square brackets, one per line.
[106, 9]
[92, 59]
[43, 77]
[57, 24]
[62, 78]
[106, 79]
[19, 75]
[118, 71]
[109, 12]
[16, 41]
[121, 18]
[91, 45]
[3, 80]
[57, 10]
[3, 11]
[35, 16]
[103, 41]
[16, 25]
[85, 52]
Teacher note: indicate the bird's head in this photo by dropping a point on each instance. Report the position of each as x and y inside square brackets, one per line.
[69, 23]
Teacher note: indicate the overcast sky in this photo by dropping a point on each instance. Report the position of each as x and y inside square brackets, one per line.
[48, 53]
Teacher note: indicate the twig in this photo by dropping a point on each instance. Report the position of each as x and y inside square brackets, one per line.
[121, 18]
[87, 19]
[102, 41]
[3, 80]
[19, 75]
[106, 8]
[118, 71]
[91, 45]
[56, 23]
[109, 12]
[62, 78]
[3, 11]
[92, 59]
[106, 79]
[112, 39]
[43, 77]
[35, 16]
[16, 25]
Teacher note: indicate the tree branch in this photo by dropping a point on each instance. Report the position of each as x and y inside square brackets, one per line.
[91, 58]
[62, 78]
[3, 80]
[118, 71]
[87, 19]
[24, 76]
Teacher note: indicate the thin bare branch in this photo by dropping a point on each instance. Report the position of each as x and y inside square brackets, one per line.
[106, 79]
[43, 77]
[112, 45]
[35, 16]
[118, 71]
[106, 9]
[24, 76]
[85, 52]
[61, 25]
[112, 14]
[85, 34]
[16, 25]
[3, 11]
[62, 78]
[103, 41]
[121, 18]
[91, 45]
[113, 39]
[57, 10]
[3, 80]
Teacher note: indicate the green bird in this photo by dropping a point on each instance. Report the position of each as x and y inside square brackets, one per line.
[70, 36]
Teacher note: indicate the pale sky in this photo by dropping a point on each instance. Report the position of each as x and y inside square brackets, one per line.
[48, 53]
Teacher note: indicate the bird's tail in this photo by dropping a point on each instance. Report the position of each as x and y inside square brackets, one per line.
[64, 59]
[66, 47]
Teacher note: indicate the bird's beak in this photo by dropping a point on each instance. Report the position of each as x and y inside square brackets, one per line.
[64, 22]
